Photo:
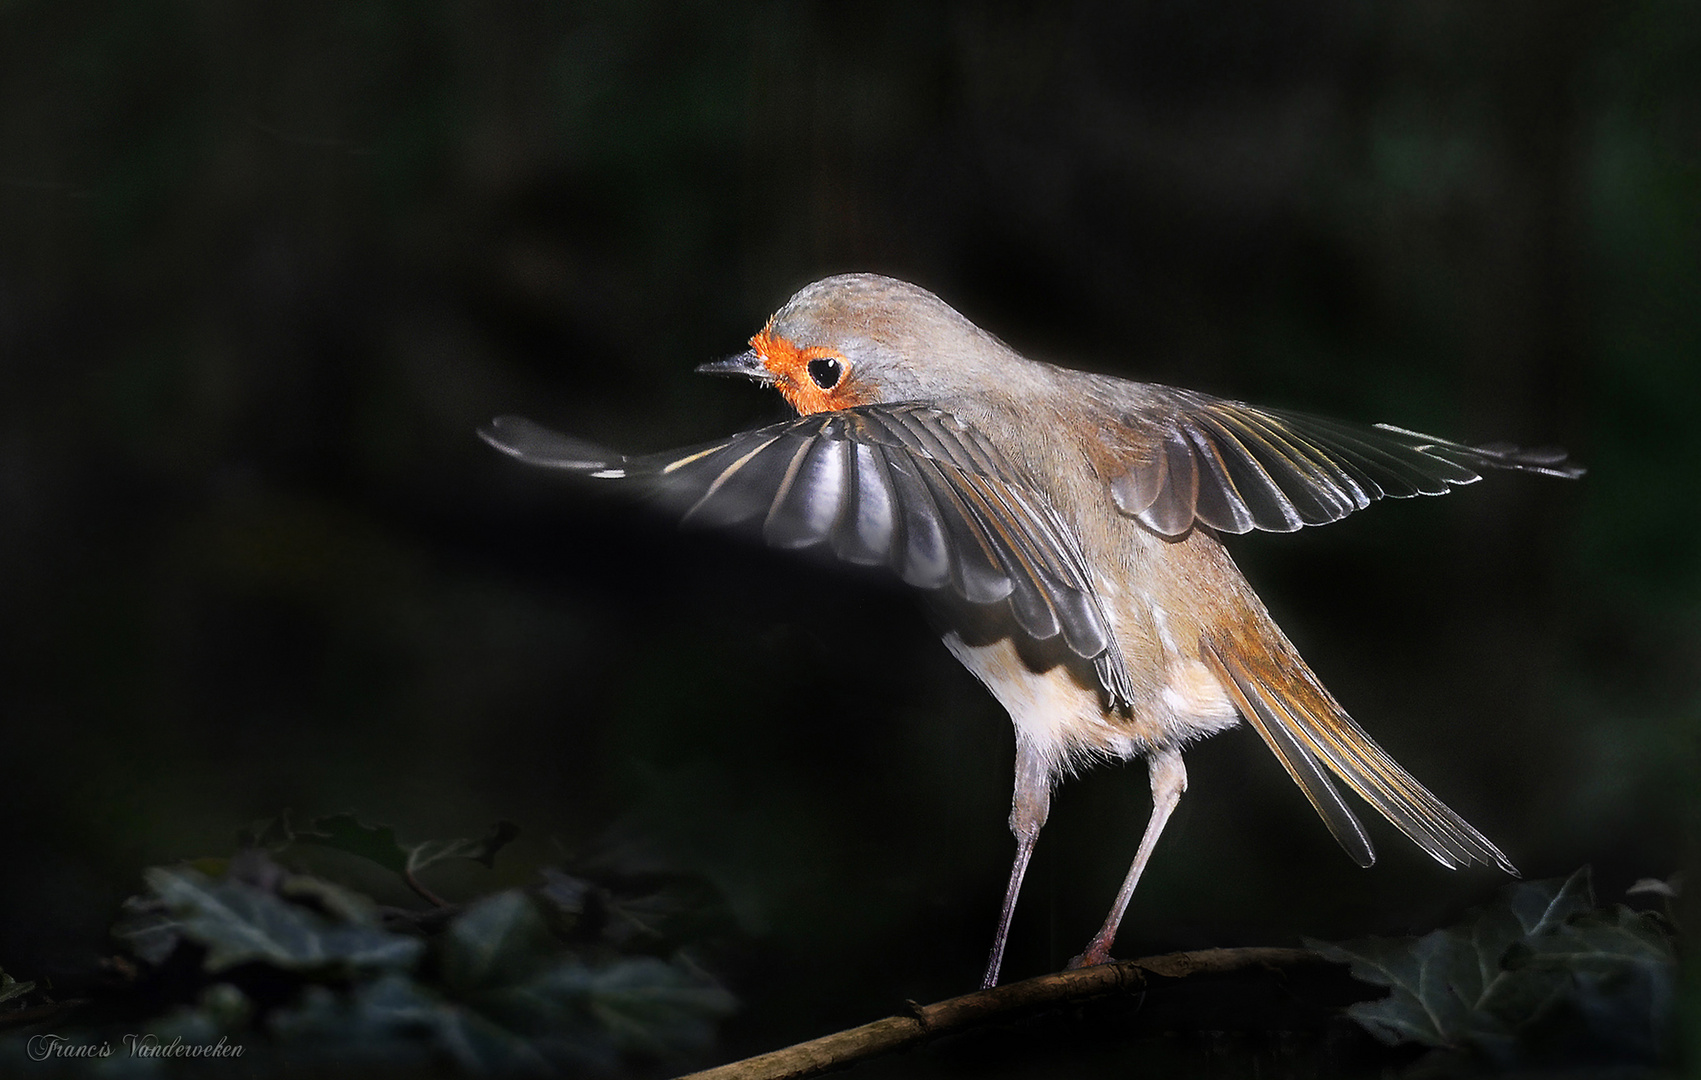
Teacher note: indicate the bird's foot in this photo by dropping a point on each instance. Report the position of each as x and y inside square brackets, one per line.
[1096, 953]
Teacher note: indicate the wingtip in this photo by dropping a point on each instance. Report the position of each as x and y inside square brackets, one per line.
[491, 433]
[531, 442]
[1544, 461]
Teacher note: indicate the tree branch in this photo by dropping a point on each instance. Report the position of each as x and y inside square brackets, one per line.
[925, 1022]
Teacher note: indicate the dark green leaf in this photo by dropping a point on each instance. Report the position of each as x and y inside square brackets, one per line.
[642, 1004]
[1604, 941]
[378, 843]
[1425, 1005]
[1670, 889]
[147, 929]
[392, 1019]
[342, 905]
[498, 940]
[270, 834]
[1631, 1011]
[1542, 966]
[239, 923]
[11, 988]
[482, 850]
[345, 832]
[500, 958]
[1540, 907]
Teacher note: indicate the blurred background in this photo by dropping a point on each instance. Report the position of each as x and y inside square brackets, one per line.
[264, 270]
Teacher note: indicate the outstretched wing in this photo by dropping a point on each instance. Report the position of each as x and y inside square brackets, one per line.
[907, 487]
[1181, 457]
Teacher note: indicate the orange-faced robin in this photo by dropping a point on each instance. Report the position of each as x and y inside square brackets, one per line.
[1067, 526]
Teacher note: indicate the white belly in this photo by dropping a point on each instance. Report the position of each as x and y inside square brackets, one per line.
[1064, 721]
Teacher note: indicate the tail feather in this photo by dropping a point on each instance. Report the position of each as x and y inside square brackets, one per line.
[1272, 721]
[1306, 728]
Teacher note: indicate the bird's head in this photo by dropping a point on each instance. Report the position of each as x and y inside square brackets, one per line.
[859, 339]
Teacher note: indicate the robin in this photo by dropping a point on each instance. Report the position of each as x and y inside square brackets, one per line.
[1068, 528]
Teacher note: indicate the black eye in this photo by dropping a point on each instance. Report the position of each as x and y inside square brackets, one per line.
[826, 371]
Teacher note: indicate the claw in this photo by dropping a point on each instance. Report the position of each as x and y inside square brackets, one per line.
[1096, 953]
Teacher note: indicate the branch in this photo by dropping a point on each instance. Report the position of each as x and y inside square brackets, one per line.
[925, 1022]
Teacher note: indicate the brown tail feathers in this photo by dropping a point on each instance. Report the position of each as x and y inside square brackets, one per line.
[1309, 732]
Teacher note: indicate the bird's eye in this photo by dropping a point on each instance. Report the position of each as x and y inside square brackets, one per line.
[826, 371]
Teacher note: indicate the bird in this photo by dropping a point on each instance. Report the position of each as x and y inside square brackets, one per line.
[1067, 530]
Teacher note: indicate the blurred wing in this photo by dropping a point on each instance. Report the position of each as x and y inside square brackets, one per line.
[1236, 467]
[907, 487]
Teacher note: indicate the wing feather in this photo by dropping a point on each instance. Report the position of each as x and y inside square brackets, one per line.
[1187, 457]
[907, 486]
[730, 459]
[867, 534]
[925, 560]
[975, 568]
[814, 495]
[1173, 511]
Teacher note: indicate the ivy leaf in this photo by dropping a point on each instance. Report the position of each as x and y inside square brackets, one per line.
[641, 1004]
[1505, 1001]
[270, 834]
[1629, 1012]
[1424, 1006]
[341, 904]
[1541, 908]
[393, 1020]
[515, 1003]
[497, 941]
[239, 923]
[145, 927]
[1544, 959]
[378, 843]
[497, 988]
[1671, 888]
[345, 832]
[11, 988]
[1603, 942]
[1623, 967]
[501, 960]
[482, 851]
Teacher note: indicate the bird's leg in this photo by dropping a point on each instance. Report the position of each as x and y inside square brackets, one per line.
[1169, 780]
[1029, 806]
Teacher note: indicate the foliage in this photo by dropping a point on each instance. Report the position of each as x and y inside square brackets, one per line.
[587, 971]
[306, 974]
[1544, 977]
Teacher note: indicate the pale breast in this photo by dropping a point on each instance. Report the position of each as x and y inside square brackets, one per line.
[1057, 714]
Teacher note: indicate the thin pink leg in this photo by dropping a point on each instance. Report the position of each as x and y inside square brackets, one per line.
[1024, 851]
[1029, 806]
[1169, 780]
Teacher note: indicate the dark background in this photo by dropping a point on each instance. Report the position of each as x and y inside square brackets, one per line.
[264, 268]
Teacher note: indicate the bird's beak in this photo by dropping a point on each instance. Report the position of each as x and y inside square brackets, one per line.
[746, 365]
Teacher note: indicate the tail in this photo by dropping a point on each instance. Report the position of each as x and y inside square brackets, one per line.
[1308, 731]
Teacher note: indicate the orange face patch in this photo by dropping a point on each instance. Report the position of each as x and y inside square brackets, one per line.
[788, 362]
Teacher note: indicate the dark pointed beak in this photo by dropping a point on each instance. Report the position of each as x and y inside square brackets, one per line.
[745, 365]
